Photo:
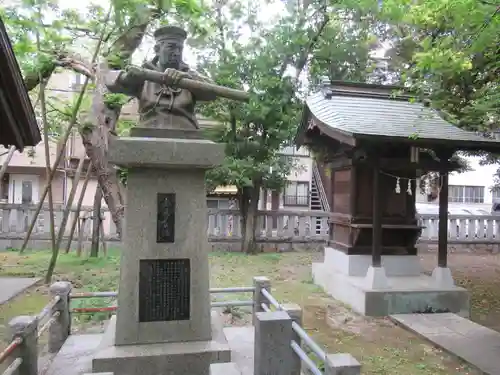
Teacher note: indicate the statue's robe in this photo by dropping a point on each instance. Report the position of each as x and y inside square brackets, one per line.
[161, 106]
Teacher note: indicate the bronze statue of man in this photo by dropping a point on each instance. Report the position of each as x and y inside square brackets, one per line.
[163, 105]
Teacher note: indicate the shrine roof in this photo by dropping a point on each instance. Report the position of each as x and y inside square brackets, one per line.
[18, 125]
[376, 112]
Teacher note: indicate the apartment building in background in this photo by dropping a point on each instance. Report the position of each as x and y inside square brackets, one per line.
[471, 191]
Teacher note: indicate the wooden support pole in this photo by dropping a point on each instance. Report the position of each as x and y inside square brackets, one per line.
[96, 220]
[53, 171]
[443, 221]
[78, 208]
[69, 203]
[377, 218]
[62, 143]
[103, 239]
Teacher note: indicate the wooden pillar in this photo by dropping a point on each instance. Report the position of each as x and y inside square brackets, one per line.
[331, 194]
[377, 218]
[443, 218]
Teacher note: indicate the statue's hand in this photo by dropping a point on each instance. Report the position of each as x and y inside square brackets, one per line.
[134, 72]
[173, 76]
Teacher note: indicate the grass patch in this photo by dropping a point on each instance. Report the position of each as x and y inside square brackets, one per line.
[381, 347]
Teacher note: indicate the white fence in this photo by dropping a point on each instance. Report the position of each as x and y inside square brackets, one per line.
[272, 226]
[463, 228]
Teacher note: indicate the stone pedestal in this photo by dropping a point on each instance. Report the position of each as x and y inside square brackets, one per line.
[397, 287]
[163, 322]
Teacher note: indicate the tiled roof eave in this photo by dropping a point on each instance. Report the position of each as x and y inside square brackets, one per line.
[20, 128]
[382, 120]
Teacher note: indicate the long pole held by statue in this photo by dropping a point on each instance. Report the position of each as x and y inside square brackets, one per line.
[191, 84]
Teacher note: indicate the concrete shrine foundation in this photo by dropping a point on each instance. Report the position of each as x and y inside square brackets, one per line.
[398, 287]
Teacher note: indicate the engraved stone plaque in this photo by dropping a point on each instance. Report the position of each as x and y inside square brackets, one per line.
[164, 290]
[165, 221]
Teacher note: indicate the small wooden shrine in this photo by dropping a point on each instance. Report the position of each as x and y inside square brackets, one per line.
[375, 143]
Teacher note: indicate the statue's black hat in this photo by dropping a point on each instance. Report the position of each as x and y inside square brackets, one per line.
[170, 33]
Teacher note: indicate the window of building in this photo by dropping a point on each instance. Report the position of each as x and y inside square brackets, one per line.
[27, 192]
[466, 194]
[495, 193]
[4, 193]
[296, 194]
[292, 150]
[76, 81]
[220, 204]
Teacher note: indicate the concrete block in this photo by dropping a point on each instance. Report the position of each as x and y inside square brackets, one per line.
[342, 364]
[161, 358]
[229, 368]
[443, 278]
[259, 283]
[272, 351]
[376, 278]
[357, 265]
[295, 312]
[25, 327]
[140, 243]
[165, 153]
[403, 294]
[61, 329]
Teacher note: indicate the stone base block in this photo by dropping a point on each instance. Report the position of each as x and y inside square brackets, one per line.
[165, 153]
[442, 277]
[401, 295]
[193, 357]
[357, 265]
[342, 364]
[376, 278]
[224, 369]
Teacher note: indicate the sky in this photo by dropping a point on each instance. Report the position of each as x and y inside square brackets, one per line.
[145, 51]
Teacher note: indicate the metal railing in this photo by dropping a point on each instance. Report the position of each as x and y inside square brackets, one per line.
[27, 330]
[321, 189]
[297, 340]
[113, 308]
[296, 200]
[55, 317]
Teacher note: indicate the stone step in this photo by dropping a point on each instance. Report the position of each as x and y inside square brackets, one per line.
[475, 344]
[229, 368]
[75, 357]
[241, 343]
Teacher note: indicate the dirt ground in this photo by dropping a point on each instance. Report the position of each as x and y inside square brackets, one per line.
[478, 272]
[381, 346]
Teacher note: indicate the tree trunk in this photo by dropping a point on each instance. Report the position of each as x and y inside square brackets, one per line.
[103, 116]
[5, 164]
[95, 136]
[45, 125]
[96, 224]
[249, 201]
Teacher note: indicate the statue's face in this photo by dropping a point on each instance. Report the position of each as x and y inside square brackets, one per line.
[170, 53]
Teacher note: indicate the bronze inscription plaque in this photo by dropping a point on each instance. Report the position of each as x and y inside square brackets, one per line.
[164, 290]
[165, 220]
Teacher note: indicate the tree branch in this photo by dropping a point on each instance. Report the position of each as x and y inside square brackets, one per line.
[32, 78]
[77, 66]
[302, 60]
